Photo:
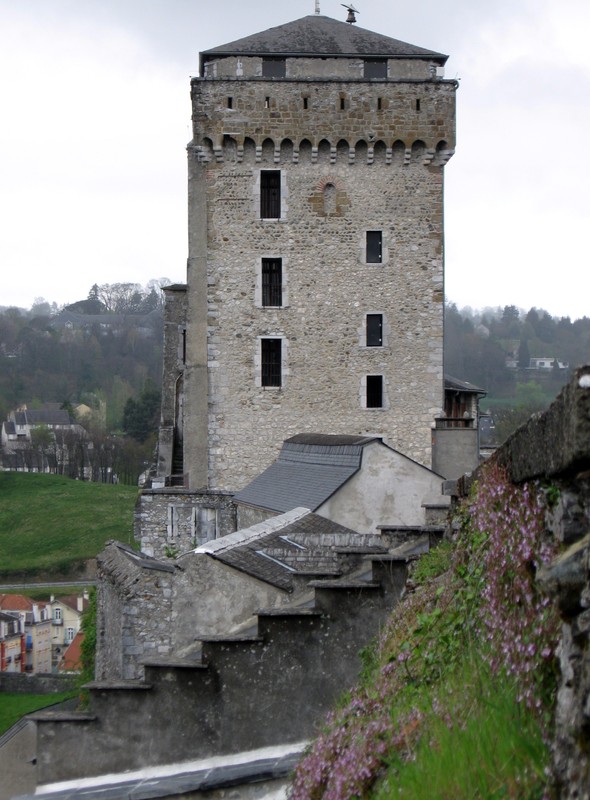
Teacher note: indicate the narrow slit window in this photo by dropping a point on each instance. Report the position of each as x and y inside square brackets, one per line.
[374, 391]
[230, 102]
[342, 103]
[374, 249]
[418, 104]
[374, 330]
[270, 361]
[270, 194]
[272, 282]
[306, 102]
[379, 104]
[267, 102]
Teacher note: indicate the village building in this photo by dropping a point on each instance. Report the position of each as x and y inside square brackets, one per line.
[34, 620]
[66, 621]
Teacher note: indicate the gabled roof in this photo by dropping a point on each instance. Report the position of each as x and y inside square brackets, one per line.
[47, 414]
[71, 661]
[71, 601]
[454, 384]
[282, 547]
[320, 36]
[16, 602]
[309, 469]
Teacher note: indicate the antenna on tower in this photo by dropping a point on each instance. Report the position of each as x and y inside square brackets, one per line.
[351, 12]
[317, 6]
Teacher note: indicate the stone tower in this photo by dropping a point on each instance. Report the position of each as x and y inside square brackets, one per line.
[314, 297]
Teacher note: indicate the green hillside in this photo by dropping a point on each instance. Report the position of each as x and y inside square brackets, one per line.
[50, 524]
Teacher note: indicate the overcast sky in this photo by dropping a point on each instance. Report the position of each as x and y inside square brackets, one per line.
[95, 118]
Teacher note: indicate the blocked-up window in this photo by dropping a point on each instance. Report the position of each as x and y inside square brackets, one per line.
[374, 391]
[206, 521]
[270, 362]
[270, 194]
[374, 247]
[375, 68]
[172, 523]
[374, 330]
[272, 281]
[274, 67]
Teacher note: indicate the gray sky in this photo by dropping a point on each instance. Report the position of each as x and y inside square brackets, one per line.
[95, 118]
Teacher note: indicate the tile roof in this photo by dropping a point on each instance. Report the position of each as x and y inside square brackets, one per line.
[71, 601]
[309, 469]
[16, 602]
[296, 543]
[317, 35]
[72, 658]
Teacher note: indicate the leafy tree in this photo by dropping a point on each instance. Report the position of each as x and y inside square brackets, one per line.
[141, 417]
[41, 437]
[524, 356]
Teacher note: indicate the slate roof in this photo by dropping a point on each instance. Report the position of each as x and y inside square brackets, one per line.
[320, 36]
[141, 560]
[454, 384]
[309, 469]
[48, 414]
[296, 543]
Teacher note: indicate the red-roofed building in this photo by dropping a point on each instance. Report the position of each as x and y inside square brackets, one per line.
[71, 660]
[35, 622]
[66, 614]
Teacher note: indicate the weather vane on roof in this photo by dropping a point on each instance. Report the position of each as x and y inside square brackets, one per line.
[351, 12]
[317, 6]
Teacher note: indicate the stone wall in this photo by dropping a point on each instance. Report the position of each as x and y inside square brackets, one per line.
[361, 156]
[148, 610]
[36, 684]
[554, 447]
[173, 358]
[133, 613]
[172, 521]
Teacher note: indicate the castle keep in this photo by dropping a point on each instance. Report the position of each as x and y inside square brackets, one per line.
[314, 296]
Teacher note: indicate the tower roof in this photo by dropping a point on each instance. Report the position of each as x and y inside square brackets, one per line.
[316, 35]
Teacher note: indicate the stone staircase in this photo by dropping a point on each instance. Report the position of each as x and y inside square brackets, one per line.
[270, 683]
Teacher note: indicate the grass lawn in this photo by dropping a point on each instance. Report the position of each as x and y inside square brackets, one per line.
[15, 706]
[49, 523]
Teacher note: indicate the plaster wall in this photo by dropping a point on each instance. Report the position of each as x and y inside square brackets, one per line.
[389, 489]
[241, 67]
[227, 599]
[455, 451]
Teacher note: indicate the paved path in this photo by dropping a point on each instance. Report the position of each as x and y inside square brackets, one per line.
[48, 584]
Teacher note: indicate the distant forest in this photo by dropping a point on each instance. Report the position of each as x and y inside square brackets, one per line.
[105, 351]
[505, 351]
